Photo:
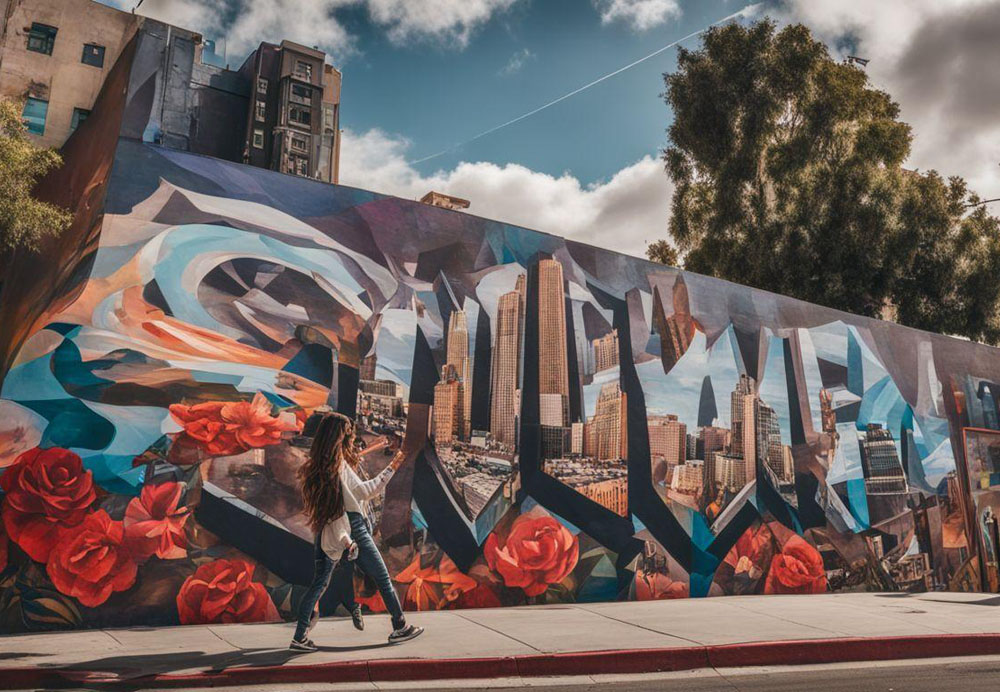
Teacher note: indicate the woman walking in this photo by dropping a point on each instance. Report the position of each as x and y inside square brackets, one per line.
[336, 502]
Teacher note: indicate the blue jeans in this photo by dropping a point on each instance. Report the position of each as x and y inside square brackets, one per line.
[322, 571]
[371, 563]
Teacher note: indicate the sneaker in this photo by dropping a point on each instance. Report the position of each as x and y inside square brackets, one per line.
[357, 618]
[313, 619]
[304, 645]
[405, 633]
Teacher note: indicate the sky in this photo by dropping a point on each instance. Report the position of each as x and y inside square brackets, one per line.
[426, 76]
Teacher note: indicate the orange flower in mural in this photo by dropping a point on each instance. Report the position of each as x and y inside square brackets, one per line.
[656, 586]
[91, 560]
[154, 524]
[536, 552]
[46, 491]
[434, 587]
[222, 428]
[224, 591]
[797, 569]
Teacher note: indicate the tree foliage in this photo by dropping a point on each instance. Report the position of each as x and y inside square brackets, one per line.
[788, 173]
[24, 220]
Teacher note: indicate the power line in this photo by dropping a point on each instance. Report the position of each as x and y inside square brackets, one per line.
[749, 9]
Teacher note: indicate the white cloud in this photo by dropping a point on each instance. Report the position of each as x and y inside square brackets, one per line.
[246, 23]
[641, 15]
[938, 59]
[517, 61]
[310, 23]
[623, 213]
[450, 21]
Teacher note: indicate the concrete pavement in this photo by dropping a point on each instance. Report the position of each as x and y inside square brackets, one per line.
[546, 637]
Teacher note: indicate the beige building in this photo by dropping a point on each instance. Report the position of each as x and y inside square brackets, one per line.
[457, 356]
[506, 370]
[54, 56]
[609, 422]
[606, 351]
[446, 418]
[667, 439]
[611, 493]
[553, 369]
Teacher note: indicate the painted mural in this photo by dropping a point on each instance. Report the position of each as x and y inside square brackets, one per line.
[578, 425]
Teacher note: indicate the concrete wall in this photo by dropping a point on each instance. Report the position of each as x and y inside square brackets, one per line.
[167, 358]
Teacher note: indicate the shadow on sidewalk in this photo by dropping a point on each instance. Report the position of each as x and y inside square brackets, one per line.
[132, 668]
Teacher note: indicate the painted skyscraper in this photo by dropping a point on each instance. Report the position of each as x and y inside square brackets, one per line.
[553, 370]
[506, 370]
[457, 355]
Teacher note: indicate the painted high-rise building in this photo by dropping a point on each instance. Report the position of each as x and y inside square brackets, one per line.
[609, 420]
[746, 386]
[446, 421]
[667, 439]
[553, 369]
[506, 369]
[457, 355]
[676, 330]
[606, 351]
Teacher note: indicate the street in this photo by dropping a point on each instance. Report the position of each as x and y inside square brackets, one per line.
[934, 675]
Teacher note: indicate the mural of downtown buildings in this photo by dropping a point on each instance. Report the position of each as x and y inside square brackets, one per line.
[578, 425]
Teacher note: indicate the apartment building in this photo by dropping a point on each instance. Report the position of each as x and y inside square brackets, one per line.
[54, 56]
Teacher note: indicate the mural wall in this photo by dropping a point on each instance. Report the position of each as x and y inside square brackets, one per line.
[578, 425]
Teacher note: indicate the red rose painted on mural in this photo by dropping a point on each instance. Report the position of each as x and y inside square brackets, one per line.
[536, 552]
[91, 560]
[3, 547]
[224, 591]
[797, 569]
[47, 490]
[656, 586]
[223, 428]
[154, 523]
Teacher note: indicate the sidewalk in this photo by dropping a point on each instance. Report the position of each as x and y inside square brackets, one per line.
[541, 640]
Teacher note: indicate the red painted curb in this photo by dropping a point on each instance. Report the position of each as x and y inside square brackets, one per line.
[534, 665]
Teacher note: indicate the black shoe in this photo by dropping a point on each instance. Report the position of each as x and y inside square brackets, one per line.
[313, 619]
[405, 633]
[304, 645]
[357, 618]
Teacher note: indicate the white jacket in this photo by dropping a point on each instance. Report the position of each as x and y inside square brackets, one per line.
[336, 536]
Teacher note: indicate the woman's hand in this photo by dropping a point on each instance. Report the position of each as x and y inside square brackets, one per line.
[351, 553]
[397, 460]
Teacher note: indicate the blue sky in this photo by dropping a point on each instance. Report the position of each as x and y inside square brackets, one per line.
[423, 75]
[523, 58]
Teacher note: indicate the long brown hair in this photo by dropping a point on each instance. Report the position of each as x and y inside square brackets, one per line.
[322, 492]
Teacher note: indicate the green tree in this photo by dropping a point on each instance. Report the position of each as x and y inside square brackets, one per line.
[788, 176]
[24, 220]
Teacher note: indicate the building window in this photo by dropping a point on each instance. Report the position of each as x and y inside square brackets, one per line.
[301, 94]
[260, 110]
[301, 116]
[261, 85]
[303, 70]
[79, 115]
[93, 54]
[300, 144]
[258, 139]
[34, 114]
[42, 38]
